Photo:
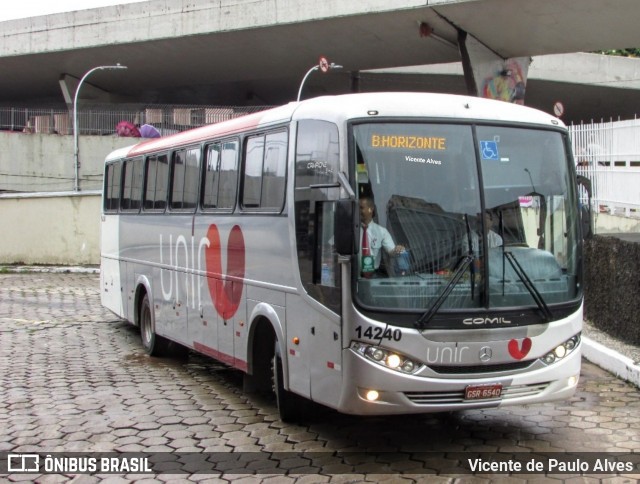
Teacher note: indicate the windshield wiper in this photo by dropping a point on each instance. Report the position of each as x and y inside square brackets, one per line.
[537, 297]
[470, 253]
[461, 267]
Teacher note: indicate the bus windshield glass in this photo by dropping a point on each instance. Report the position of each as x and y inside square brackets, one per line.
[464, 216]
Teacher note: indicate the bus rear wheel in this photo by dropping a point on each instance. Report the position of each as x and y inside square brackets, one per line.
[291, 407]
[153, 344]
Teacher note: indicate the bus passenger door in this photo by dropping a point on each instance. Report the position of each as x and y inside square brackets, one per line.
[317, 187]
[319, 310]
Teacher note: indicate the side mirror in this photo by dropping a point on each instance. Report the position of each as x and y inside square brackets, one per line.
[343, 231]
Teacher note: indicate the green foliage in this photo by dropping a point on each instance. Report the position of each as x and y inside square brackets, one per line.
[628, 52]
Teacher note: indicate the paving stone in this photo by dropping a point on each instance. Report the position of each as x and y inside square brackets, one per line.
[74, 378]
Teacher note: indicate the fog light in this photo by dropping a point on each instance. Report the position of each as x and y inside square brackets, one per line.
[372, 395]
[560, 351]
[393, 361]
[573, 381]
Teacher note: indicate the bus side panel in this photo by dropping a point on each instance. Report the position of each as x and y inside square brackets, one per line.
[110, 278]
[236, 256]
[203, 325]
[315, 365]
[110, 295]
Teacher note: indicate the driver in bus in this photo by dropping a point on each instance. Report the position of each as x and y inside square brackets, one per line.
[373, 237]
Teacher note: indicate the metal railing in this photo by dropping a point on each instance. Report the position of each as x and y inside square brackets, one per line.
[608, 153]
[101, 120]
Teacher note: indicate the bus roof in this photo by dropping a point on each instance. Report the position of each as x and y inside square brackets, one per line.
[352, 106]
[420, 105]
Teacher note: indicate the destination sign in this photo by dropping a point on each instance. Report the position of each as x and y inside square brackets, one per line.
[408, 142]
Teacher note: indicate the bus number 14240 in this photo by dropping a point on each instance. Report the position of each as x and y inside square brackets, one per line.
[377, 333]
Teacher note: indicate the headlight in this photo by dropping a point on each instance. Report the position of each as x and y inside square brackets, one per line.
[387, 358]
[562, 350]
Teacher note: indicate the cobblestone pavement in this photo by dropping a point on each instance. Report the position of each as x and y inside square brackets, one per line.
[75, 379]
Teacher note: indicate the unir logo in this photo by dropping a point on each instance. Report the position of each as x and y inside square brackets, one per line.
[225, 294]
[225, 289]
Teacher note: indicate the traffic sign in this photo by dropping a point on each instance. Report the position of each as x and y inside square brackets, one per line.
[324, 64]
[558, 109]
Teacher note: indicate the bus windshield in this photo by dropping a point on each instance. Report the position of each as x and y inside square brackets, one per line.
[464, 216]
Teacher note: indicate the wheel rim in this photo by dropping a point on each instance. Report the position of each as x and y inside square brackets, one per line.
[146, 330]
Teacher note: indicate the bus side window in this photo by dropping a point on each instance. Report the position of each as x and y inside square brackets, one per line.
[112, 187]
[211, 177]
[132, 186]
[184, 181]
[228, 175]
[150, 177]
[156, 178]
[265, 169]
[252, 186]
[162, 180]
[274, 170]
[220, 176]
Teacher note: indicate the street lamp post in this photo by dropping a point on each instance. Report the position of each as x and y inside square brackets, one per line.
[76, 186]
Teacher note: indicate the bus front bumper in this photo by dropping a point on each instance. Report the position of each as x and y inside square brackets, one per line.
[399, 393]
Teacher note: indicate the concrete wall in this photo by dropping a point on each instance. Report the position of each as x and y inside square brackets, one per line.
[44, 162]
[605, 223]
[58, 228]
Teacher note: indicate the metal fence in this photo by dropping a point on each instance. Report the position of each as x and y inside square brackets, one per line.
[608, 153]
[101, 120]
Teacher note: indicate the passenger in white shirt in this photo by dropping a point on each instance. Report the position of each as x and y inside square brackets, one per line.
[377, 236]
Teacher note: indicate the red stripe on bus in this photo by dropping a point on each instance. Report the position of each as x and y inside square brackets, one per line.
[197, 135]
[218, 355]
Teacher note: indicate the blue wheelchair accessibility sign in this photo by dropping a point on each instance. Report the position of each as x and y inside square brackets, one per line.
[489, 150]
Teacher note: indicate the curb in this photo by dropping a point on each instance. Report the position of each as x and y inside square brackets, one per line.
[50, 269]
[612, 361]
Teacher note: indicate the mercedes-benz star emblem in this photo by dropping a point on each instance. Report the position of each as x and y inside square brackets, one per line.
[485, 354]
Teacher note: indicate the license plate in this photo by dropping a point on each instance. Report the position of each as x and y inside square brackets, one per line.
[481, 392]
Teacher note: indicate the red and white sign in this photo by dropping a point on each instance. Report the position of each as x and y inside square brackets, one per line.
[558, 109]
[324, 64]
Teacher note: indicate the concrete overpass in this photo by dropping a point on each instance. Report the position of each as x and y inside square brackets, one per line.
[256, 51]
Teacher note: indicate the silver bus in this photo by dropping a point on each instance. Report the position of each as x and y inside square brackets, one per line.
[379, 253]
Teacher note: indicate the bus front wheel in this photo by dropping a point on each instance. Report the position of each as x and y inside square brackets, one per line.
[290, 406]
